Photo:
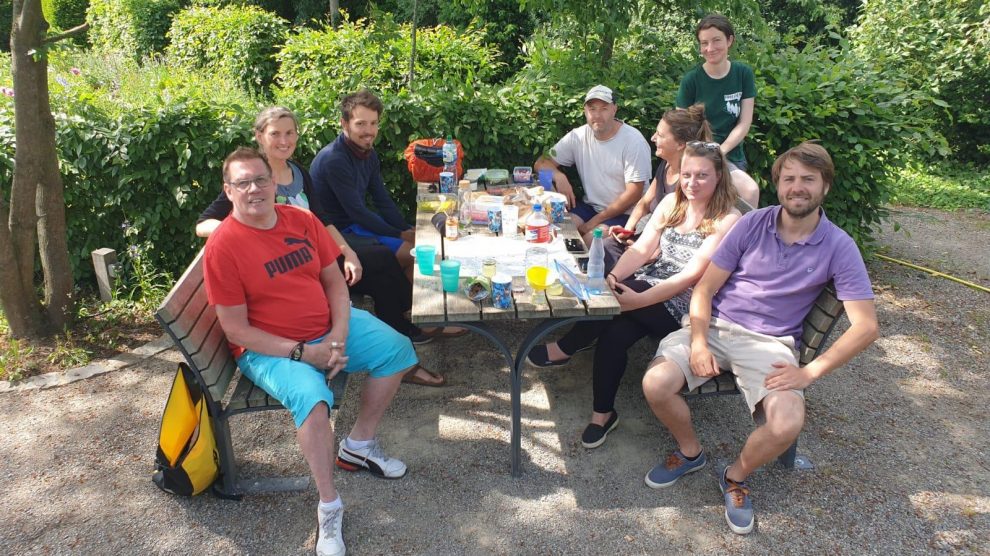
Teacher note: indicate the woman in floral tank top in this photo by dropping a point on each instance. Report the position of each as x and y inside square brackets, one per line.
[686, 228]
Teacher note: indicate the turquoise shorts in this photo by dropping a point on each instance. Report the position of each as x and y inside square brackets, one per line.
[372, 346]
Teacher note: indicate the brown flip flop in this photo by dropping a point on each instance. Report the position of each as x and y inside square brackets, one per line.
[411, 378]
[440, 333]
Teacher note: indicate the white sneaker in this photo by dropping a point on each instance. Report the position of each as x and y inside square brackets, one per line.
[371, 458]
[330, 536]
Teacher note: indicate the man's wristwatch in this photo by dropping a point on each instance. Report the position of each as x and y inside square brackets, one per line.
[297, 351]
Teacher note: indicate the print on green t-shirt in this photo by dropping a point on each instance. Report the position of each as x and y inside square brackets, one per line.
[722, 99]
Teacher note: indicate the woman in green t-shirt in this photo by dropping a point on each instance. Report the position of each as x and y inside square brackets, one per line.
[728, 91]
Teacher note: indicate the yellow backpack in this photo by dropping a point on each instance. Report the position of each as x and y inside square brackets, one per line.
[187, 462]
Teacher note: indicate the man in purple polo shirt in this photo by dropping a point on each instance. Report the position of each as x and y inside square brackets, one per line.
[767, 273]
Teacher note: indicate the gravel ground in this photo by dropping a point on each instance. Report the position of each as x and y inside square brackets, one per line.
[899, 439]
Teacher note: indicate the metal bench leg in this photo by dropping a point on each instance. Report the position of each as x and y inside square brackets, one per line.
[227, 489]
[787, 458]
[791, 460]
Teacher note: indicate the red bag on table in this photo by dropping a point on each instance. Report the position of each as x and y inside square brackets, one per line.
[424, 157]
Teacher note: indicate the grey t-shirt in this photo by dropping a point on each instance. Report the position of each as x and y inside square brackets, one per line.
[605, 167]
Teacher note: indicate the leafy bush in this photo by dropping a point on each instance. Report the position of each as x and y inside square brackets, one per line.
[66, 14]
[143, 150]
[238, 43]
[137, 27]
[864, 121]
[6, 11]
[376, 55]
[940, 48]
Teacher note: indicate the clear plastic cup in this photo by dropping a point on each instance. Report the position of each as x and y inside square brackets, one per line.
[510, 221]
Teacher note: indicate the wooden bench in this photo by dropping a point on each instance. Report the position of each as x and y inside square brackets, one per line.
[818, 325]
[193, 325]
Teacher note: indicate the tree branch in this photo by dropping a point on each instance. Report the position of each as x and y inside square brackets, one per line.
[66, 34]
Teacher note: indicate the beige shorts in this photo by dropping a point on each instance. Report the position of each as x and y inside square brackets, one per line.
[751, 360]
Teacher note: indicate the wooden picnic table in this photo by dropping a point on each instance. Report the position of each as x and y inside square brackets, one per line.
[433, 307]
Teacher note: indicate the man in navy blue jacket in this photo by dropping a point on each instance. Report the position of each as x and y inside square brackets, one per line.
[346, 171]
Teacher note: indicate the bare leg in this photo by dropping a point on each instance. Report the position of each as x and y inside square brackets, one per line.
[406, 260]
[785, 419]
[746, 187]
[315, 438]
[555, 353]
[375, 398]
[578, 221]
[661, 386]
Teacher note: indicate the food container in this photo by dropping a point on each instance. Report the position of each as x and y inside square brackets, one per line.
[496, 178]
[522, 174]
[480, 204]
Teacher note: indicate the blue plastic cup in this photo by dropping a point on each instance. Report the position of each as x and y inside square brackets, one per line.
[450, 275]
[546, 179]
[502, 291]
[424, 258]
[495, 220]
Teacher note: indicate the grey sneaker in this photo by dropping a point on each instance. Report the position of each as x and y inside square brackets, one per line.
[676, 466]
[330, 537]
[372, 458]
[738, 507]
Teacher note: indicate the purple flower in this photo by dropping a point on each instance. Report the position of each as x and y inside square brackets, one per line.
[61, 81]
[7, 91]
[75, 71]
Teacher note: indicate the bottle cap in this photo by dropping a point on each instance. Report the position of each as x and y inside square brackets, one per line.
[537, 207]
[597, 232]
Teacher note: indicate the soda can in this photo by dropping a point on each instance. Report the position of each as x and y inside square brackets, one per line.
[557, 208]
[495, 220]
[447, 184]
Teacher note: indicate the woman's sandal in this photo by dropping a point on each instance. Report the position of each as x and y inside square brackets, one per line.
[411, 378]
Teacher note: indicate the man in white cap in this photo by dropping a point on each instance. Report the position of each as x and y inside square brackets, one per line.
[612, 159]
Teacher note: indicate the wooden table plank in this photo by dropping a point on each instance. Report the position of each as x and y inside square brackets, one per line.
[428, 302]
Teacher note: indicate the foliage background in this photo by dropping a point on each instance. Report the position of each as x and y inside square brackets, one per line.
[168, 87]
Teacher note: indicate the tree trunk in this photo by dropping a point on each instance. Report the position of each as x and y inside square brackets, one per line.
[20, 306]
[608, 46]
[37, 204]
[334, 13]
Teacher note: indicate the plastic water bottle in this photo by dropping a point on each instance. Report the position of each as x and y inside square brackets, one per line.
[465, 207]
[537, 226]
[450, 157]
[596, 264]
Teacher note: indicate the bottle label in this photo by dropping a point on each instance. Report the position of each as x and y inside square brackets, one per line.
[538, 234]
[450, 231]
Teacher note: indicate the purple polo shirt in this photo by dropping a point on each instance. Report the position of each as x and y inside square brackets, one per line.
[773, 285]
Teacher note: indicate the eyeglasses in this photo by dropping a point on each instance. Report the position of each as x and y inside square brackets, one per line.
[263, 182]
[711, 147]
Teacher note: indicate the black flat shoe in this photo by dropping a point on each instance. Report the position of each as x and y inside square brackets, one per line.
[594, 435]
[538, 357]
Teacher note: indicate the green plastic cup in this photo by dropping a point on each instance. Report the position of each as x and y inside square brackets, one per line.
[450, 274]
[425, 254]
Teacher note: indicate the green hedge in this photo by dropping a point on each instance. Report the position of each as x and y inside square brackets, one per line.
[864, 121]
[940, 48]
[137, 27]
[66, 14]
[376, 55]
[6, 19]
[239, 43]
[154, 166]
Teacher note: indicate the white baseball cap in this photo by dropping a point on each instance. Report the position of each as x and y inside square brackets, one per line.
[600, 92]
